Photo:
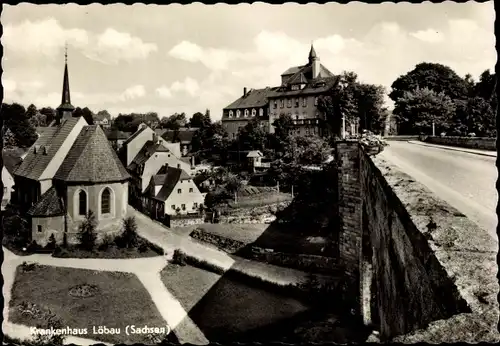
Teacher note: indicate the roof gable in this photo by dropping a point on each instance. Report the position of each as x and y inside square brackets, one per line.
[172, 177]
[49, 204]
[134, 135]
[91, 159]
[254, 98]
[36, 161]
[11, 161]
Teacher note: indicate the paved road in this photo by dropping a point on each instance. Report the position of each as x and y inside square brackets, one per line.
[464, 180]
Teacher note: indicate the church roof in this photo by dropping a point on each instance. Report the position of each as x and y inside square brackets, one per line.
[134, 135]
[254, 98]
[37, 159]
[49, 204]
[315, 87]
[172, 177]
[91, 159]
[312, 53]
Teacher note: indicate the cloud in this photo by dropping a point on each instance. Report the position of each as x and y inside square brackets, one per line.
[429, 35]
[47, 37]
[113, 46]
[212, 58]
[189, 86]
[164, 92]
[133, 92]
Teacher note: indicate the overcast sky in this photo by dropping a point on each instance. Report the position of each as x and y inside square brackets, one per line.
[186, 58]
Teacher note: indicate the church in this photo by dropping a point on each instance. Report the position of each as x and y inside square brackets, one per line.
[70, 170]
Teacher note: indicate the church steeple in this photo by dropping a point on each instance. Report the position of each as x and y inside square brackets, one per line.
[312, 54]
[66, 109]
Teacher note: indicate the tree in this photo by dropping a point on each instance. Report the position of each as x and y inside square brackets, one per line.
[283, 128]
[87, 234]
[9, 139]
[14, 116]
[252, 136]
[174, 122]
[129, 233]
[49, 114]
[38, 120]
[88, 116]
[209, 140]
[474, 115]
[417, 110]
[370, 103]
[311, 150]
[436, 77]
[199, 120]
[31, 111]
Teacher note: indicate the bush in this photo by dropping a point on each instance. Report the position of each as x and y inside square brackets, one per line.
[179, 258]
[129, 233]
[87, 235]
[106, 241]
[143, 247]
[51, 245]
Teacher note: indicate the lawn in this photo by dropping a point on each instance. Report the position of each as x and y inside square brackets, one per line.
[259, 200]
[119, 300]
[228, 308]
[265, 236]
[187, 283]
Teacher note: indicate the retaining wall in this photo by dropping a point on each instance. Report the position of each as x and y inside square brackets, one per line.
[483, 143]
[432, 275]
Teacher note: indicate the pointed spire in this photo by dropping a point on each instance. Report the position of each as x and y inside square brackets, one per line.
[66, 108]
[312, 54]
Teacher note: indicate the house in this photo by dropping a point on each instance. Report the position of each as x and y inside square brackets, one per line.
[173, 193]
[256, 160]
[11, 160]
[116, 138]
[183, 136]
[70, 170]
[149, 161]
[132, 145]
[102, 119]
[297, 96]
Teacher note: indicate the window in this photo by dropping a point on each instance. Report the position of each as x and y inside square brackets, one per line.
[230, 114]
[39, 228]
[195, 205]
[172, 206]
[304, 102]
[282, 103]
[183, 206]
[4, 190]
[238, 113]
[289, 103]
[234, 135]
[261, 112]
[296, 102]
[315, 101]
[254, 112]
[179, 190]
[317, 114]
[246, 113]
[178, 165]
[275, 104]
[82, 203]
[297, 116]
[191, 189]
[106, 201]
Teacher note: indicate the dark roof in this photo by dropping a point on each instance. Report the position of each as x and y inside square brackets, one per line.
[91, 159]
[11, 160]
[35, 164]
[317, 86]
[172, 176]
[292, 70]
[254, 98]
[134, 135]
[49, 204]
[117, 134]
[185, 136]
[145, 153]
[306, 70]
[312, 53]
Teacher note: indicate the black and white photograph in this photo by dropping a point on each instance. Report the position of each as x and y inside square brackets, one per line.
[255, 173]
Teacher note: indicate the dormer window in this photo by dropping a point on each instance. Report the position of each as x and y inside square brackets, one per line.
[295, 87]
[302, 86]
[275, 104]
[261, 112]
[282, 103]
[254, 112]
[230, 114]
[238, 113]
[304, 102]
[296, 102]
[246, 113]
[315, 101]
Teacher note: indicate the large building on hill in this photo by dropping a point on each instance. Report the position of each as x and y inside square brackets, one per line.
[297, 96]
[70, 170]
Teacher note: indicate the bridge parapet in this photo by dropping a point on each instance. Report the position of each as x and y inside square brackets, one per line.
[431, 271]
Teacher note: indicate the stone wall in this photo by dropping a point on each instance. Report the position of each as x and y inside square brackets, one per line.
[464, 142]
[226, 244]
[261, 214]
[183, 222]
[432, 270]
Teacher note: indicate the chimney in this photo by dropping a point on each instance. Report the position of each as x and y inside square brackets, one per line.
[244, 91]
[155, 138]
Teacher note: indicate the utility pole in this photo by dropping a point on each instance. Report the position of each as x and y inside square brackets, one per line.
[278, 186]
[343, 126]
[433, 129]
[292, 190]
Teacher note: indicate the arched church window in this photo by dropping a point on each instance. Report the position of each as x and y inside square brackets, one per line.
[254, 112]
[106, 201]
[82, 203]
[261, 112]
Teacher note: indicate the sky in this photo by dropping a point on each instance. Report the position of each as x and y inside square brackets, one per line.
[188, 58]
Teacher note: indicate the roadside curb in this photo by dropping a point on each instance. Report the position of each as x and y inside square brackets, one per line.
[464, 150]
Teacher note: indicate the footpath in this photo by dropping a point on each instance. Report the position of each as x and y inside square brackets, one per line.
[464, 150]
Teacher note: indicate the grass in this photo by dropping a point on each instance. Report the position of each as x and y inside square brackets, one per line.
[259, 200]
[188, 284]
[121, 300]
